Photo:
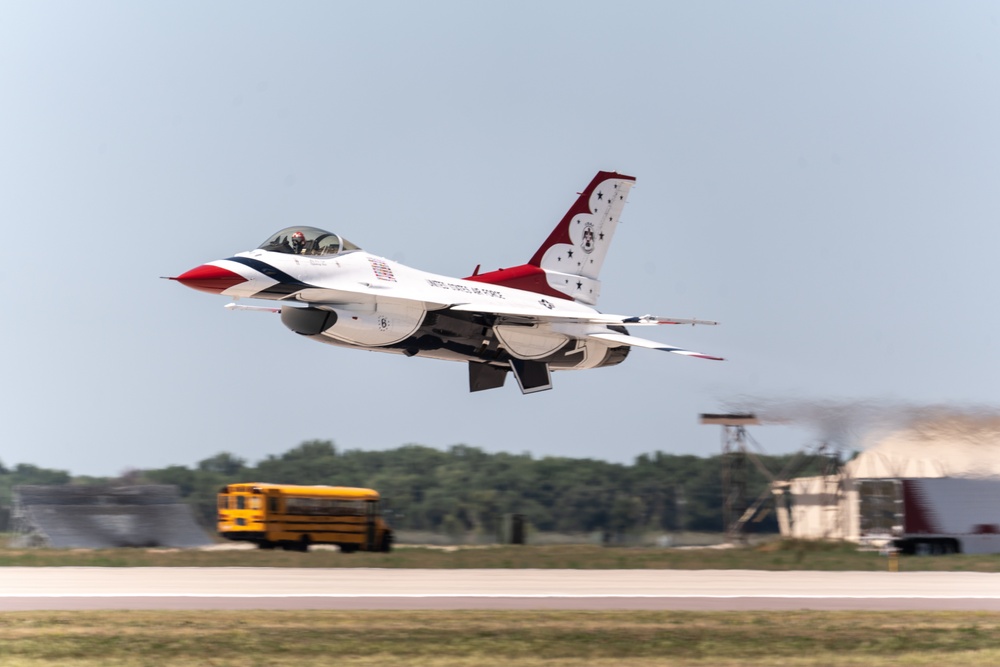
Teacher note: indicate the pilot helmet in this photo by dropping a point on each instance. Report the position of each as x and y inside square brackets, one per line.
[298, 239]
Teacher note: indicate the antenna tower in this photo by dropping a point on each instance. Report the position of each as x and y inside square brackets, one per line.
[735, 509]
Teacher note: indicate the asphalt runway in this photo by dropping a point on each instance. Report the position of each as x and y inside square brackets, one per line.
[76, 588]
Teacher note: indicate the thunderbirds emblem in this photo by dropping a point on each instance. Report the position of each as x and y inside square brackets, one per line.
[588, 238]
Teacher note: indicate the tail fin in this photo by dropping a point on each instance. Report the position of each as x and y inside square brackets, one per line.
[567, 265]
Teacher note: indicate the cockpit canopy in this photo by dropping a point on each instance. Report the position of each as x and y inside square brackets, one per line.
[307, 241]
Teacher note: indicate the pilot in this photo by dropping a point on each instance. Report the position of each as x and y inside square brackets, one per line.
[298, 243]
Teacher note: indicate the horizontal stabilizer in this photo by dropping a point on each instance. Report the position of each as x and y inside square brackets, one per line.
[623, 339]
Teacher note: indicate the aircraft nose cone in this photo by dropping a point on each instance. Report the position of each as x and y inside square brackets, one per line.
[209, 278]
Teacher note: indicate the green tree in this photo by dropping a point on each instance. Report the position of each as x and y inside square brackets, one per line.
[466, 489]
[223, 463]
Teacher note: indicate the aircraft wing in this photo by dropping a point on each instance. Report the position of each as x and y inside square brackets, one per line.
[362, 300]
[624, 339]
[364, 294]
[540, 314]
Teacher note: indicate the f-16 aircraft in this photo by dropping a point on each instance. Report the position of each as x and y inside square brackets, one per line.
[528, 320]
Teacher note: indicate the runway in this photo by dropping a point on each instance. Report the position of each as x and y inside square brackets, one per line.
[73, 588]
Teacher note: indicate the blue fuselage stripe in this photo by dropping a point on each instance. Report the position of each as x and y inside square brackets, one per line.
[288, 284]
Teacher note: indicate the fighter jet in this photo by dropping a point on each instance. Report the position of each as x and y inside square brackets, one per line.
[527, 320]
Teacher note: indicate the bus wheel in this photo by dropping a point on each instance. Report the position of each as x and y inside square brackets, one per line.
[265, 545]
[348, 548]
[386, 545]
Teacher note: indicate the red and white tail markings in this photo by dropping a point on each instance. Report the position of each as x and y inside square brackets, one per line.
[586, 230]
[567, 264]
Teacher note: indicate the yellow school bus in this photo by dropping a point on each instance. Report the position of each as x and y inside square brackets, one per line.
[294, 517]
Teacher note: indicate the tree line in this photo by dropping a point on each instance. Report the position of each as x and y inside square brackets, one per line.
[465, 490]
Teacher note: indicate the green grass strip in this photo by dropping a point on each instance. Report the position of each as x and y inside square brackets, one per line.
[774, 556]
[438, 639]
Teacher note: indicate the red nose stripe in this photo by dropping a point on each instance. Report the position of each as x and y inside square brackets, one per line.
[209, 278]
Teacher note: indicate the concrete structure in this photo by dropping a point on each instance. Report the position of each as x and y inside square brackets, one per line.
[99, 517]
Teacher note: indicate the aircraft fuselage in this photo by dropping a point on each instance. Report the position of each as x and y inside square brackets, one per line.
[525, 320]
[404, 310]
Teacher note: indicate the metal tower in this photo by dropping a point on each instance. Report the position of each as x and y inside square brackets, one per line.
[735, 453]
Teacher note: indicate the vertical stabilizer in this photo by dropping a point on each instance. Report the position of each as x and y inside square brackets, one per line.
[568, 263]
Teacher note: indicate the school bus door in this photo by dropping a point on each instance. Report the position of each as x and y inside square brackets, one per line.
[372, 517]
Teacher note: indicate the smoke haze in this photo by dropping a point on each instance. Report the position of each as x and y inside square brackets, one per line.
[855, 424]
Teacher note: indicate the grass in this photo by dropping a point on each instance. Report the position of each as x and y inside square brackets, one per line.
[440, 639]
[787, 555]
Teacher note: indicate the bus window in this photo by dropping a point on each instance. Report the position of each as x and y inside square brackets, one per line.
[324, 506]
[241, 502]
[255, 503]
[223, 502]
[272, 504]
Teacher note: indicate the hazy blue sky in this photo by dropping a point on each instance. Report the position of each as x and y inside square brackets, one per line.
[821, 178]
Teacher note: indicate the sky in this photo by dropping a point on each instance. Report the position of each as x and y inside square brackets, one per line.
[820, 178]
